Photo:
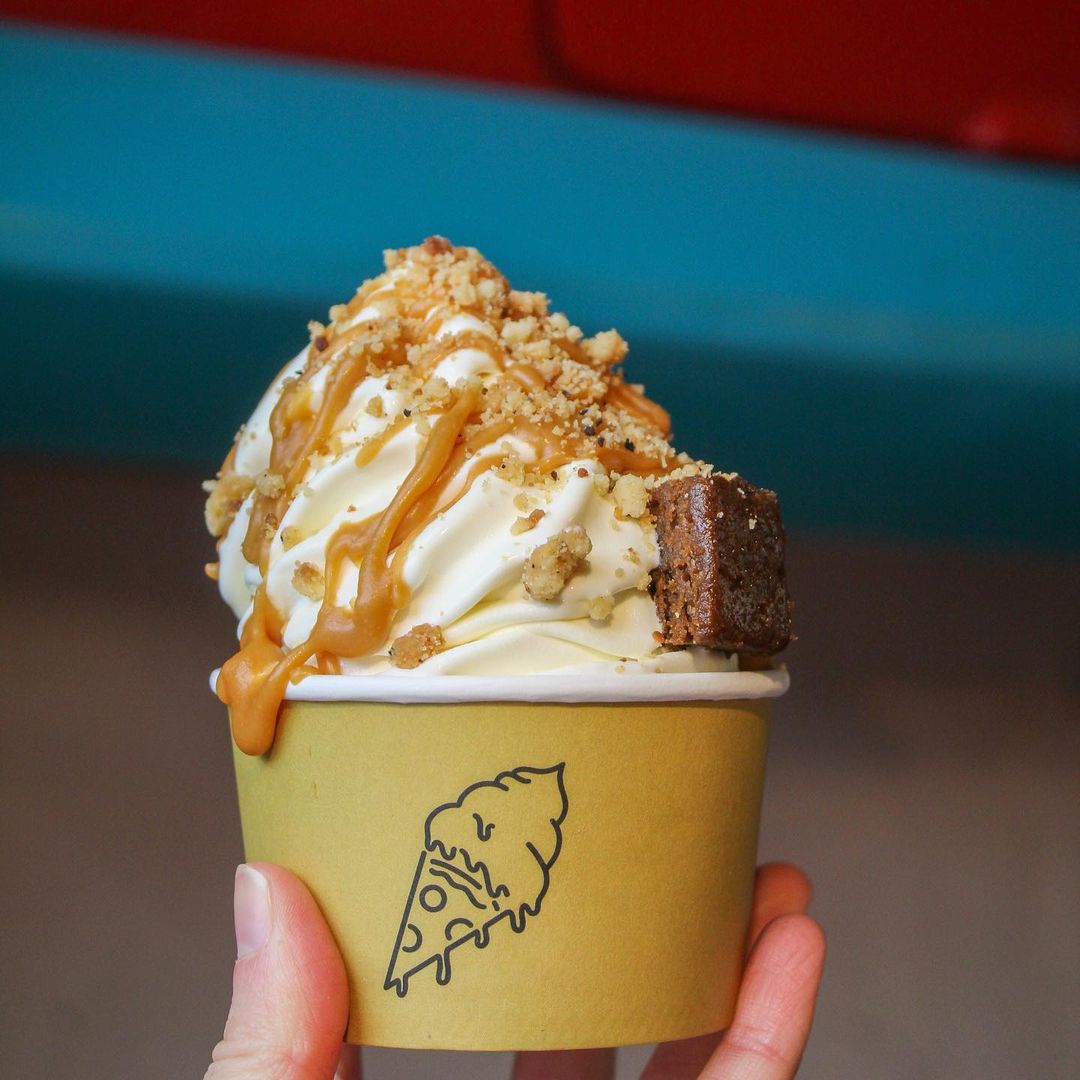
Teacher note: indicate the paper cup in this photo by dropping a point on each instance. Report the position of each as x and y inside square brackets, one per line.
[522, 864]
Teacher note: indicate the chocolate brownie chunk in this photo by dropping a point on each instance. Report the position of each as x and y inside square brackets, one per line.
[721, 582]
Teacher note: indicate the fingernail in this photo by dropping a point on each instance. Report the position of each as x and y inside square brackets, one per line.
[251, 910]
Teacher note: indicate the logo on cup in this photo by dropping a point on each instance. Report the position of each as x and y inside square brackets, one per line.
[487, 857]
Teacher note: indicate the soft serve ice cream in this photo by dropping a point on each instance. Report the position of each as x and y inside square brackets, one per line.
[448, 479]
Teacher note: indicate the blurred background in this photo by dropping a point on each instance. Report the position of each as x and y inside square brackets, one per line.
[843, 241]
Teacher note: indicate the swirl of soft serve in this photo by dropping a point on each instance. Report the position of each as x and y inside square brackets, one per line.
[447, 480]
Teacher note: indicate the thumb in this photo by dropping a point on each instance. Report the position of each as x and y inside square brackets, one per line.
[290, 998]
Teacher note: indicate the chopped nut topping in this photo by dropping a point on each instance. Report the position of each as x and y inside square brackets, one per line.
[554, 562]
[525, 524]
[436, 390]
[213, 570]
[419, 644]
[437, 245]
[375, 406]
[270, 484]
[527, 303]
[605, 349]
[464, 292]
[227, 495]
[308, 581]
[290, 537]
[600, 608]
[519, 331]
[512, 470]
[631, 497]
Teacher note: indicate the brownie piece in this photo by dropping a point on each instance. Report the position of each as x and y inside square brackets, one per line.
[721, 581]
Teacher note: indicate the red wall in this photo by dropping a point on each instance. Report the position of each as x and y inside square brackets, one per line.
[996, 76]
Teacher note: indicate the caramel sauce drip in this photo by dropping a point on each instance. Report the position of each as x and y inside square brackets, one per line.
[423, 512]
[433, 322]
[361, 628]
[623, 396]
[297, 435]
[619, 459]
[370, 448]
[526, 376]
[254, 681]
[464, 339]
[552, 451]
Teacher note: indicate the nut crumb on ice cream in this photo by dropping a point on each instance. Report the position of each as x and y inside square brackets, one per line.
[554, 562]
[419, 644]
[448, 479]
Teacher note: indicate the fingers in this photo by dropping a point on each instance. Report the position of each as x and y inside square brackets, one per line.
[290, 998]
[349, 1064]
[779, 889]
[565, 1065]
[682, 1060]
[772, 1021]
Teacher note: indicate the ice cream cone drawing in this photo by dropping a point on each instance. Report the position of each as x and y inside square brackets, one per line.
[487, 857]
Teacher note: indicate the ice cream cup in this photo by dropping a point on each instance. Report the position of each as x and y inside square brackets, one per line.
[540, 862]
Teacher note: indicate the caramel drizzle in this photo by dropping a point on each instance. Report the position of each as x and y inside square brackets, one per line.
[297, 435]
[253, 682]
[464, 339]
[622, 395]
[361, 629]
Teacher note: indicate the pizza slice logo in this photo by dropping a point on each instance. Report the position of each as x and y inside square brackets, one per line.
[487, 857]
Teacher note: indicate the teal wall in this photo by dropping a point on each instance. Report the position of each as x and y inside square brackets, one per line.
[889, 337]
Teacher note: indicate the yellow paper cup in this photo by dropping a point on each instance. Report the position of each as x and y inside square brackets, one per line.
[521, 864]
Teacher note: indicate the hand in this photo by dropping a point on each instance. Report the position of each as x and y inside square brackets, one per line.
[767, 1038]
[290, 996]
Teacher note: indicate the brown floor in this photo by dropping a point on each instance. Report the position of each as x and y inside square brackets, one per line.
[925, 770]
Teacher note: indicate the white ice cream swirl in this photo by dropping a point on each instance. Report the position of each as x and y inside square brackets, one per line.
[462, 571]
